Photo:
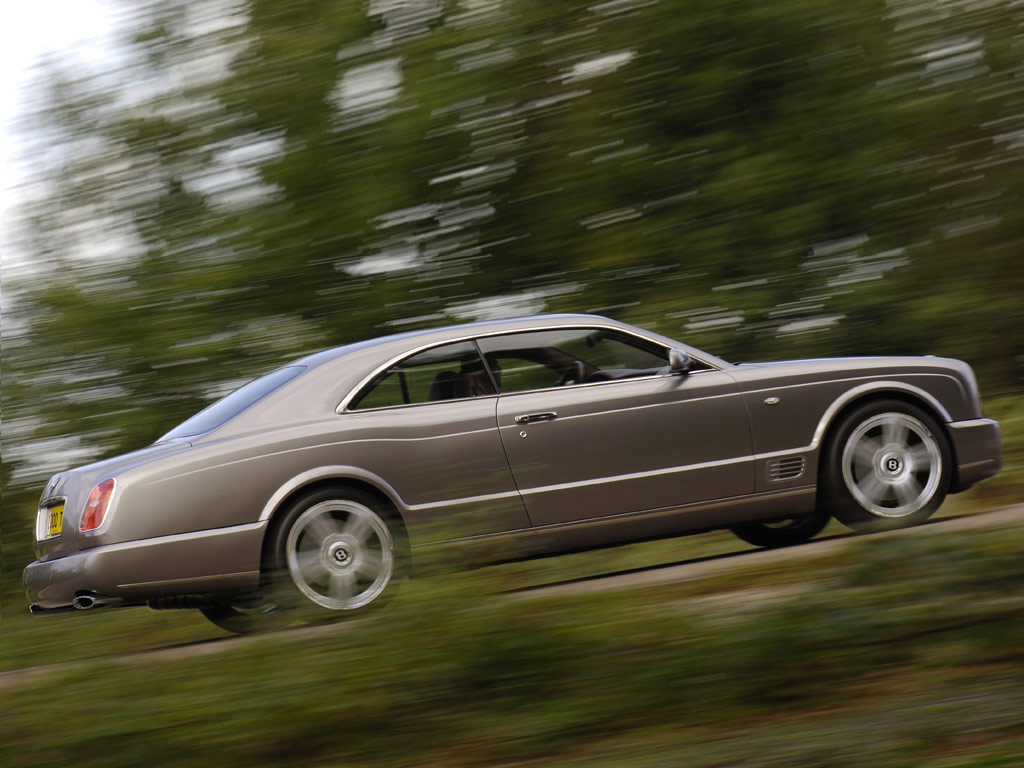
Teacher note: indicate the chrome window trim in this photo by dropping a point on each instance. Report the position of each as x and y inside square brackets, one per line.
[628, 408]
[358, 388]
[416, 405]
[565, 387]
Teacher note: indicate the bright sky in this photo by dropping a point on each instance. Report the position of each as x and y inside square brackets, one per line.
[77, 29]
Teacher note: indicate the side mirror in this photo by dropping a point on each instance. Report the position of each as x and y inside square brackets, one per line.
[679, 361]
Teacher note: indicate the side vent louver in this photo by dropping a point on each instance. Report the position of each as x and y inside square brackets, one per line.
[789, 468]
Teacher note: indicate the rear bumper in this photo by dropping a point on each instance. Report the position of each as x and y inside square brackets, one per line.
[977, 451]
[221, 560]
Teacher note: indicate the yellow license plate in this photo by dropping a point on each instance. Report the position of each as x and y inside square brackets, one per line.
[56, 520]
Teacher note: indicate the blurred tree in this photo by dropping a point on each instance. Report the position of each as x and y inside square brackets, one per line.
[255, 180]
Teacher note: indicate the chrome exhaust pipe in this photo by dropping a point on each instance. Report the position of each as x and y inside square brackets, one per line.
[86, 602]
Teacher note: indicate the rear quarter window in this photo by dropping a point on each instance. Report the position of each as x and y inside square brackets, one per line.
[233, 404]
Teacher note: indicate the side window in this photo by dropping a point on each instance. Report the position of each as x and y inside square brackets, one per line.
[541, 359]
[443, 373]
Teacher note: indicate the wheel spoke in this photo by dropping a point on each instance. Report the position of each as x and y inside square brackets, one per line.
[872, 487]
[920, 457]
[310, 566]
[322, 526]
[343, 586]
[370, 564]
[358, 527]
[864, 453]
[907, 491]
[894, 432]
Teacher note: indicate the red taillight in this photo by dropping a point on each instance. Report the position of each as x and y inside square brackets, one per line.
[96, 506]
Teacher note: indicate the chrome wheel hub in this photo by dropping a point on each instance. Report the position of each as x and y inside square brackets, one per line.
[892, 465]
[339, 552]
[340, 556]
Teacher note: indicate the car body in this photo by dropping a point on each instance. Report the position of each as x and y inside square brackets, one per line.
[533, 435]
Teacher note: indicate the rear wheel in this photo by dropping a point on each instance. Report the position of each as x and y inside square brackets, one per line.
[888, 466]
[339, 552]
[334, 553]
[331, 554]
[782, 533]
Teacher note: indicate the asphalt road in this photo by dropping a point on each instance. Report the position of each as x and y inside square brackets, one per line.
[690, 570]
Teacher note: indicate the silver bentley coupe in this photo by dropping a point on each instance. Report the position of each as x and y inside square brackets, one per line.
[311, 489]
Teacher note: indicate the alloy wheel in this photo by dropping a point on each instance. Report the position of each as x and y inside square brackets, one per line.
[892, 465]
[340, 554]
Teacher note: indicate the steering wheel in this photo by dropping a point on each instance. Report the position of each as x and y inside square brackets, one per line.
[573, 374]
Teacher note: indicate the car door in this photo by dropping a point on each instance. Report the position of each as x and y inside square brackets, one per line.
[594, 424]
[427, 426]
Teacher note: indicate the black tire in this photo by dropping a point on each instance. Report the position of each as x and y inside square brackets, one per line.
[244, 617]
[334, 553]
[772, 534]
[888, 465]
[323, 542]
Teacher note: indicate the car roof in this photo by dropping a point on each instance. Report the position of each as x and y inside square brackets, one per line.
[427, 337]
[334, 374]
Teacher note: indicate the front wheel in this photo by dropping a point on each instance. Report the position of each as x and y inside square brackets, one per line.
[888, 466]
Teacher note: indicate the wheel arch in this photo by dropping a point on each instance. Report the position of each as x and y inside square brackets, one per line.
[855, 399]
[866, 393]
[335, 477]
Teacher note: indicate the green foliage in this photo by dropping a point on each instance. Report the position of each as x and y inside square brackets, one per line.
[258, 180]
[452, 675]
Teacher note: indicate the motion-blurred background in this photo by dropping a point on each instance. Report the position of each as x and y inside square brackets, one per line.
[233, 184]
[229, 185]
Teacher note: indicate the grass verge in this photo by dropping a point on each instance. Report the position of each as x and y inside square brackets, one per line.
[902, 651]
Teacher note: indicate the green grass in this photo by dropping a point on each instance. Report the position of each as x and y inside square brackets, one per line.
[895, 652]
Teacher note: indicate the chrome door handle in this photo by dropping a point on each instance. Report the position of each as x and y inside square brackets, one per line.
[529, 418]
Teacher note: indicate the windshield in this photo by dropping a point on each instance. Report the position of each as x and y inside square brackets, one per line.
[231, 405]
